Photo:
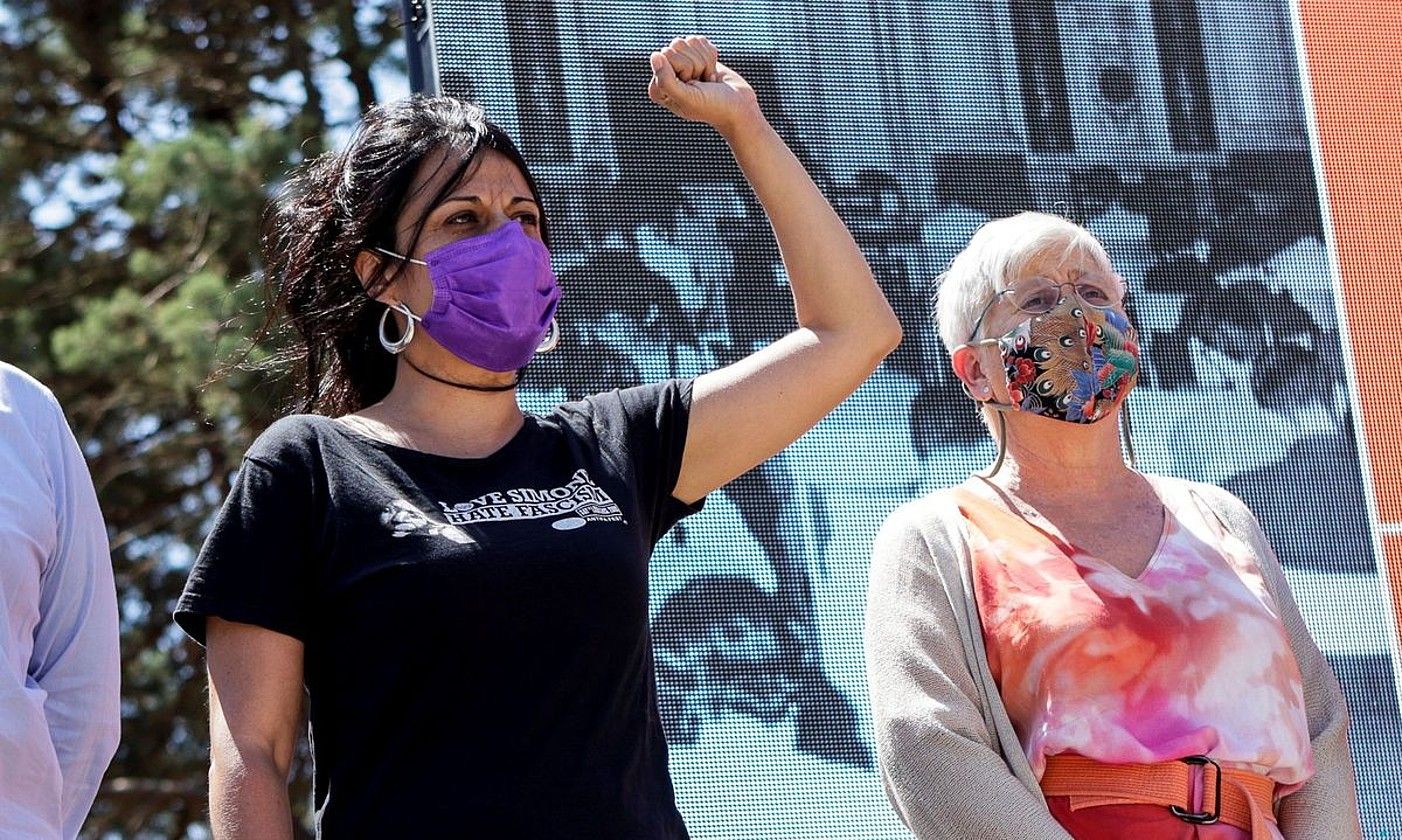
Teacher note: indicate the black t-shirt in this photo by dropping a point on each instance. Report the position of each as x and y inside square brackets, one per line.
[476, 632]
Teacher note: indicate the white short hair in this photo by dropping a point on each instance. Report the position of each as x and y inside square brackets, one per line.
[994, 257]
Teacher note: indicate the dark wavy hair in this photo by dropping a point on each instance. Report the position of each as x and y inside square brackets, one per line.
[337, 205]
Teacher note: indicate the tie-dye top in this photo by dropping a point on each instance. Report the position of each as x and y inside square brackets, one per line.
[1188, 658]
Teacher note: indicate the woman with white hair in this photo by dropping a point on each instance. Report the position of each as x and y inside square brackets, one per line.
[1065, 646]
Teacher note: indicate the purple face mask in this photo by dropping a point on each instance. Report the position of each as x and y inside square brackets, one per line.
[494, 298]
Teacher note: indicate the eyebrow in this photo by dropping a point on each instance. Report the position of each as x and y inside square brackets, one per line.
[476, 199]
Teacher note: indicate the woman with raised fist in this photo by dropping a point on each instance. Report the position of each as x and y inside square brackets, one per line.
[460, 586]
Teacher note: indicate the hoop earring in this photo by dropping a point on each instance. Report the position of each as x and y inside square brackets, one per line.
[552, 338]
[398, 346]
[1125, 437]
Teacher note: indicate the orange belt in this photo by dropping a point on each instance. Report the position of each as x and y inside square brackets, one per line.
[1235, 797]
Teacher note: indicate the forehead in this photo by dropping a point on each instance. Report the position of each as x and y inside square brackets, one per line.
[489, 174]
[1062, 260]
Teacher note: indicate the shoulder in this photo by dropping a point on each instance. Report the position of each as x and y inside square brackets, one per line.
[622, 407]
[919, 557]
[642, 398]
[935, 511]
[19, 388]
[920, 528]
[1227, 506]
[293, 442]
[27, 401]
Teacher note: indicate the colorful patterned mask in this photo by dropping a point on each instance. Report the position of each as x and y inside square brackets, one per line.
[1075, 363]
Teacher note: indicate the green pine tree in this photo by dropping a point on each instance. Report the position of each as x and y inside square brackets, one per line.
[137, 154]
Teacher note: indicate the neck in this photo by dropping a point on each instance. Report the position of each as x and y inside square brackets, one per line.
[1052, 459]
[447, 418]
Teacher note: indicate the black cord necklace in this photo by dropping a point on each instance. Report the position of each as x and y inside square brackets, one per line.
[465, 386]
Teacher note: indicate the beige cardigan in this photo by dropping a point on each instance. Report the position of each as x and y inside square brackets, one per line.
[951, 762]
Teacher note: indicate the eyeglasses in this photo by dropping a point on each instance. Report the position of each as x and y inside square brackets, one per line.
[1040, 295]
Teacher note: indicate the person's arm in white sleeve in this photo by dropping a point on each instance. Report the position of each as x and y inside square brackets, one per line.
[76, 659]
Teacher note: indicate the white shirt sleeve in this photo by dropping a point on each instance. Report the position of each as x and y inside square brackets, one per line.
[75, 659]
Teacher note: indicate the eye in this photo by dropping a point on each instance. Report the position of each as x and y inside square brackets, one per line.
[1094, 295]
[467, 217]
[530, 219]
[1037, 300]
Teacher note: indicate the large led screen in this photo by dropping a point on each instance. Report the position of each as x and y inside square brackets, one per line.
[1176, 130]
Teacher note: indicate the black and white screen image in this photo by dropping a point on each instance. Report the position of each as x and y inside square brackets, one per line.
[1175, 130]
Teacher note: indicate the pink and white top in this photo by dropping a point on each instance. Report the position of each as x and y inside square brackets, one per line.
[1188, 658]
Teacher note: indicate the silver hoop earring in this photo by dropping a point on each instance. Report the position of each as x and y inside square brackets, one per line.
[552, 338]
[398, 346]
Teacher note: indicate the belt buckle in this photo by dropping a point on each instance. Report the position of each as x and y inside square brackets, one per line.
[1202, 817]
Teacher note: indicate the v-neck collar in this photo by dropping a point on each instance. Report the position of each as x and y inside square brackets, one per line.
[1034, 519]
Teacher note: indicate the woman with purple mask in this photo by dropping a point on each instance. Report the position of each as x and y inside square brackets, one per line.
[462, 587]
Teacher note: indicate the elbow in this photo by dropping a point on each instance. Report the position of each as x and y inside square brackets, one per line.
[890, 335]
[110, 731]
[863, 339]
[234, 757]
[884, 330]
[882, 337]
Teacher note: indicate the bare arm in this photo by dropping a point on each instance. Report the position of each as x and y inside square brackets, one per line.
[255, 700]
[748, 411]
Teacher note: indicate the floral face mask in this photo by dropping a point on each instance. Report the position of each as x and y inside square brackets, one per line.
[1074, 363]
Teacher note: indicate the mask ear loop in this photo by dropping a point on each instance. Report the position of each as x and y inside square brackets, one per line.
[1126, 437]
[1000, 438]
[398, 346]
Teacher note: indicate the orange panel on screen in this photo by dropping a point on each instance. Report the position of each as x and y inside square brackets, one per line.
[1354, 53]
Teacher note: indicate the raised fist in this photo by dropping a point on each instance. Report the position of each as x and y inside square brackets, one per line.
[689, 80]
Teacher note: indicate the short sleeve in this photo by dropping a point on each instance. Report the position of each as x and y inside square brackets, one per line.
[647, 425]
[255, 566]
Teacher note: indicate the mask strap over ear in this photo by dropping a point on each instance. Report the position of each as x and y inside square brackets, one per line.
[390, 253]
